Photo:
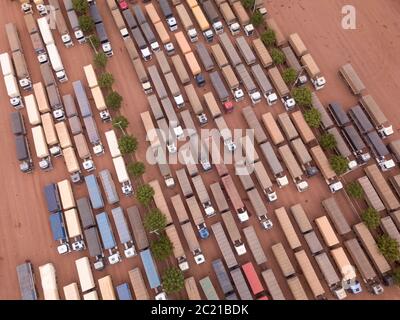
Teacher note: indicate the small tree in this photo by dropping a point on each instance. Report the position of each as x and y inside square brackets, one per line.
[268, 37]
[327, 141]
[100, 60]
[136, 169]
[339, 164]
[355, 190]
[289, 75]
[86, 23]
[396, 275]
[389, 248]
[371, 218]
[256, 19]
[114, 100]
[80, 6]
[173, 280]
[312, 117]
[154, 221]
[302, 96]
[278, 56]
[144, 194]
[127, 144]
[248, 4]
[120, 122]
[95, 41]
[106, 80]
[162, 248]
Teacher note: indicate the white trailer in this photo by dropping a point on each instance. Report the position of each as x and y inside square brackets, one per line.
[123, 177]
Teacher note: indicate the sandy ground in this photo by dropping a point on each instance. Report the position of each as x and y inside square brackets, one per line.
[24, 227]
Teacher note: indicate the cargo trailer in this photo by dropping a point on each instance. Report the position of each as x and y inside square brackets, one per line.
[196, 104]
[281, 88]
[303, 156]
[380, 151]
[272, 285]
[356, 143]
[62, 28]
[175, 90]
[283, 260]
[371, 196]
[160, 201]
[389, 227]
[124, 233]
[150, 37]
[204, 56]
[94, 246]
[296, 288]
[41, 149]
[223, 277]
[59, 232]
[187, 22]
[138, 285]
[122, 175]
[138, 230]
[229, 49]
[232, 82]
[168, 15]
[172, 117]
[264, 181]
[192, 242]
[85, 213]
[229, 17]
[313, 243]
[224, 246]
[178, 251]
[342, 148]
[394, 147]
[245, 50]
[52, 198]
[255, 245]
[48, 280]
[288, 229]
[303, 128]
[219, 197]
[259, 208]
[287, 126]
[188, 122]
[236, 201]
[66, 195]
[203, 196]
[301, 218]
[234, 233]
[74, 229]
[93, 135]
[242, 171]
[71, 292]
[352, 79]
[274, 164]
[85, 275]
[141, 43]
[195, 69]
[297, 44]
[219, 55]
[21, 70]
[180, 69]
[107, 237]
[313, 71]
[74, 23]
[376, 115]
[240, 284]
[197, 217]
[243, 17]
[254, 124]
[56, 63]
[326, 121]
[32, 110]
[346, 269]
[330, 275]
[327, 232]
[123, 292]
[41, 98]
[293, 167]
[106, 288]
[142, 75]
[202, 22]
[272, 128]
[262, 53]
[280, 37]
[17, 123]
[336, 215]
[95, 196]
[361, 120]
[208, 289]
[108, 186]
[254, 281]
[221, 90]
[23, 154]
[213, 16]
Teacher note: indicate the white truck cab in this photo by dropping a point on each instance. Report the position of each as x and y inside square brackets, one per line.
[234, 28]
[114, 258]
[336, 186]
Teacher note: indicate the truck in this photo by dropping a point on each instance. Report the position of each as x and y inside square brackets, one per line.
[248, 83]
[195, 69]
[264, 84]
[360, 119]
[236, 201]
[251, 154]
[141, 43]
[83, 152]
[219, 55]
[85, 275]
[167, 137]
[174, 89]
[376, 115]
[203, 196]
[150, 37]
[255, 245]
[221, 91]
[380, 151]
[166, 172]
[356, 143]
[245, 50]
[17, 123]
[163, 62]
[187, 22]
[94, 246]
[224, 245]
[198, 218]
[26, 281]
[272, 128]
[107, 237]
[59, 232]
[346, 269]
[301, 218]
[23, 153]
[56, 63]
[178, 251]
[74, 22]
[264, 181]
[219, 197]
[93, 135]
[151, 271]
[192, 242]
[294, 169]
[108, 186]
[74, 229]
[36, 39]
[124, 234]
[287, 126]
[120, 23]
[32, 110]
[180, 69]
[223, 278]
[233, 233]
[304, 157]
[157, 82]
[327, 232]
[364, 266]
[63, 135]
[155, 107]
[106, 288]
[42, 152]
[342, 148]
[138, 230]
[10, 81]
[229, 49]
[313, 71]
[122, 175]
[165, 38]
[202, 22]
[274, 164]
[55, 102]
[283, 260]
[21, 70]
[282, 88]
[371, 196]
[47, 75]
[313, 242]
[138, 285]
[62, 29]
[287, 227]
[100, 104]
[172, 117]
[213, 16]
[243, 18]
[225, 133]
[168, 15]
[293, 62]
[51, 135]
[49, 282]
[204, 56]
[336, 215]
[352, 79]
[240, 283]
[297, 45]
[142, 76]
[303, 128]
[95, 196]
[329, 175]
[229, 17]
[104, 41]
[233, 82]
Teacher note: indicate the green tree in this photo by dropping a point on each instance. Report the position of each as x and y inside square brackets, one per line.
[248, 4]
[396, 275]
[144, 194]
[155, 221]
[289, 75]
[173, 280]
[95, 41]
[256, 19]
[120, 122]
[114, 100]
[389, 248]
[106, 80]
[268, 37]
[80, 6]
[136, 169]
[162, 248]
[327, 141]
[302, 96]
[100, 60]
[127, 144]
[355, 190]
[278, 56]
[339, 164]
[371, 218]
[312, 117]
[86, 23]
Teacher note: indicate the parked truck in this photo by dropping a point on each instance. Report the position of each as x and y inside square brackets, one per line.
[232, 82]
[233, 233]
[264, 84]
[56, 63]
[274, 164]
[62, 29]
[248, 83]
[23, 153]
[175, 90]
[229, 17]
[10, 81]
[36, 39]
[352, 79]
[122, 175]
[51, 135]
[178, 251]
[198, 218]
[168, 15]
[26, 281]
[213, 16]
[21, 70]
[235, 198]
[376, 115]
[303, 156]
[42, 152]
[282, 88]
[74, 22]
[221, 91]
[224, 245]
[202, 22]
[151, 271]
[74, 229]
[124, 234]
[187, 22]
[94, 245]
[243, 17]
[59, 232]
[203, 196]
[107, 237]
[313, 71]
[204, 56]
[229, 49]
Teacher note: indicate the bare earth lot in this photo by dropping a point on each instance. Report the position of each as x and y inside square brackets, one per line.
[24, 229]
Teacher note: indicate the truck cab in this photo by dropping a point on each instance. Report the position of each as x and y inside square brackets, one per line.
[234, 28]
[208, 35]
[386, 165]
[78, 245]
[41, 8]
[271, 195]
[255, 97]
[169, 48]
[127, 188]
[301, 185]
[238, 94]
[203, 231]
[289, 103]
[336, 186]
[99, 264]
[161, 296]
[59, 114]
[26, 8]
[107, 49]
[202, 119]
[249, 30]
[200, 80]
[79, 36]
[130, 252]
[63, 248]
[45, 164]
[243, 215]
[271, 98]
[218, 27]
[88, 165]
[192, 34]
[114, 258]
[228, 106]
[282, 181]
[105, 116]
[319, 82]
[171, 22]
[265, 222]
[199, 257]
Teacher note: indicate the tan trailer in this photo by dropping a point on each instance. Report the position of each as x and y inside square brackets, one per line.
[346, 269]
[73, 224]
[253, 123]
[283, 260]
[163, 62]
[49, 129]
[98, 98]
[219, 55]
[287, 227]
[388, 226]
[301, 152]
[264, 181]
[310, 274]
[182, 42]
[313, 71]
[191, 289]
[297, 289]
[301, 218]
[395, 182]
[241, 13]
[370, 245]
[138, 285]
[262, 53]
[41, 98]
[272, 128]
[159, 200]
[32, 110]
[85, 274]
[326, 230]
[219, 197]
[322, 162]
[396, 218]
[305, 131]
[39, 142]
[180, 69]
[71, 292]
[63, 135]
[272, 285]
[382, 187]
[249, 150]
[92, 295]
[230, 77]
[371, 196]
[177, 249]
[336, 215]
[280, 38]
[151, 132]
[90, 76]
[179, 208]
[66, 194]
[377, 116]
[212, 104]
[152, 13]
[255, 245]
[287, 126]
[71, 161]
[82, 146]
[327, 270]
[130, 47]
[293, 168]
[233, 233]
[106, 288]
[193, 64]
[162, 33]
[352, 79]
[297, 44]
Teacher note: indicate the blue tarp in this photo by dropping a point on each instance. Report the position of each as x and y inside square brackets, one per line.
[106, 233]
[57, 226]
[94, 192]
[123, 291]
[52, 198]
[150, 269]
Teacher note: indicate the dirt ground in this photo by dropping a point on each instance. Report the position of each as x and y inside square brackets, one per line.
[24, 229]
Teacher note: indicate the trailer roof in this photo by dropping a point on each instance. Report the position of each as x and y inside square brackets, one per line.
[371, 196]
[301, 151]
[255, 245]
[336, 215]
[290, 161]
[287, 126]
[360, 259]
[257, 203]
[138, 285]
[373, 110]
[361, 120]
[326, 230]
[313, 242]
[352, 78]
[85, 212]
[309, 273]
[283, 260]
[93, 242]
[287, 227]
[150, 268]
[375, 141]
[322, 162]
[327, 269]
[191, 289]
[272, 285]
[26, 281]
[301, 218]
[159, 200]
[339, 114]
[121, 225]
[341, 144]
[222, 277]
[253, 123]
[224, 245]
[240, 284]
[106, 232]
